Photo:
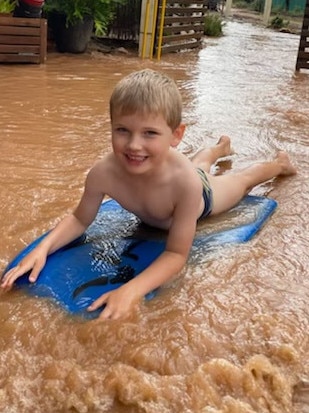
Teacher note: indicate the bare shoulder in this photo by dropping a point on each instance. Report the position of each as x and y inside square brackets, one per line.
[100, 174]
[102, 164]
[103, 168]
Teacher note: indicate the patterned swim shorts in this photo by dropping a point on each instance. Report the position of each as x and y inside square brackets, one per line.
[207, 193]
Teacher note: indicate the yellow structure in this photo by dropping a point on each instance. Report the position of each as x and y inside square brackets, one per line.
[148, 28]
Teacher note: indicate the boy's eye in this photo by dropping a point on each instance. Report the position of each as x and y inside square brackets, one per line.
[121, 130]
[151, 133]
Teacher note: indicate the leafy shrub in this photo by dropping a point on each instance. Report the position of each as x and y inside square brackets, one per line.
[213, 25]
[102, 11]
[7, 6]
[278, 23]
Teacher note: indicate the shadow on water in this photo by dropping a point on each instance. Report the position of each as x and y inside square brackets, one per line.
[231, 334]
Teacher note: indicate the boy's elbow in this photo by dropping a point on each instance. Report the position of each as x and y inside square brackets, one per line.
[179, 258]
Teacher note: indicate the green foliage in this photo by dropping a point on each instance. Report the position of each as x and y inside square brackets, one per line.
[242, 4]
[258, 5]
[278, 23]
[213, 25]
[254, 5]
[102, 11]
[7, 6]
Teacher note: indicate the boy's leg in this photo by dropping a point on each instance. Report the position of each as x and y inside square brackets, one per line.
[207, 157]
[229, 189]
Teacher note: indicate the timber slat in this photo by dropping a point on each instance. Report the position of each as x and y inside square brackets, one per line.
[180, 28]
[16, 48]
[187, 2]
[173, 38]
[19, 39]
[183, 10]
[19, 21]
[18, 58]
[180, 46]
[183, 19]
[20, 30]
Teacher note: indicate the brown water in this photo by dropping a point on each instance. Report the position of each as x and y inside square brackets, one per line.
[232, 334]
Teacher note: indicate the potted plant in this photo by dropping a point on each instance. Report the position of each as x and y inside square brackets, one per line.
[28, 8]
[74, 21]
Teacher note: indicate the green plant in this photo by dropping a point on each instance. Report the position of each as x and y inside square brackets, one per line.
[278, 23]
[253, 5]
[258, 5]
[213, 25]
[7, 6]
[241, 4]
[102, 11]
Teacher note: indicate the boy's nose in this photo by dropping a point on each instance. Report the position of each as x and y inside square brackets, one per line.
[135, 143]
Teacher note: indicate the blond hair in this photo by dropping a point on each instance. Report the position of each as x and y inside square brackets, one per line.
[148, 92]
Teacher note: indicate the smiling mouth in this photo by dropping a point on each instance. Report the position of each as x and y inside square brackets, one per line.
[136, 158]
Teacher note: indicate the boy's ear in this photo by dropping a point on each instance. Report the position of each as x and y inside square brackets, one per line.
[178, 135]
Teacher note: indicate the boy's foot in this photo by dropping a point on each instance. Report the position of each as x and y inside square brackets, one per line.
[284, 161]
[225, 145]
[207, 157]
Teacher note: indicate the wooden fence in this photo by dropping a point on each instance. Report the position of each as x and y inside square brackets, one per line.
[303, 50]
[180, 25]
[126, 24]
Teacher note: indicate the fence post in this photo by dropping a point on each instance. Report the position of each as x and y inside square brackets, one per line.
[228, 7]
[267, 11]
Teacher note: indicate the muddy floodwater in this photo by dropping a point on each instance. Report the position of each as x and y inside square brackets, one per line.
[231, 334]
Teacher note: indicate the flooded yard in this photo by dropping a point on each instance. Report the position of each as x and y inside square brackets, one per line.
[230, 335]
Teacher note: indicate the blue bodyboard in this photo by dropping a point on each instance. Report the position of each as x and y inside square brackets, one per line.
[117, 247]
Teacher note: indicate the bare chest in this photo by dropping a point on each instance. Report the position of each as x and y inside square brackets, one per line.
[154, 206]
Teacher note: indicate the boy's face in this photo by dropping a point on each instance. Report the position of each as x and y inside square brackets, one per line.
[141, 142]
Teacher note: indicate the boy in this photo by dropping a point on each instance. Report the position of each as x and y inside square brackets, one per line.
[148, 177]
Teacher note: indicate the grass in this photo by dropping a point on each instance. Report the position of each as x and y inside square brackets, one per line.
[213, 25]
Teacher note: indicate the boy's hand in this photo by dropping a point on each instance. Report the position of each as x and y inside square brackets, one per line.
[34, 261]
[119, 303]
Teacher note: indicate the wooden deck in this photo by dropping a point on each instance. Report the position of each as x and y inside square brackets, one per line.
[23, 40]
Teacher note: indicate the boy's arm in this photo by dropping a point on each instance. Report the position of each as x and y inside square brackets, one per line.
[120, 302]
[170, 262]
[68, 229]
